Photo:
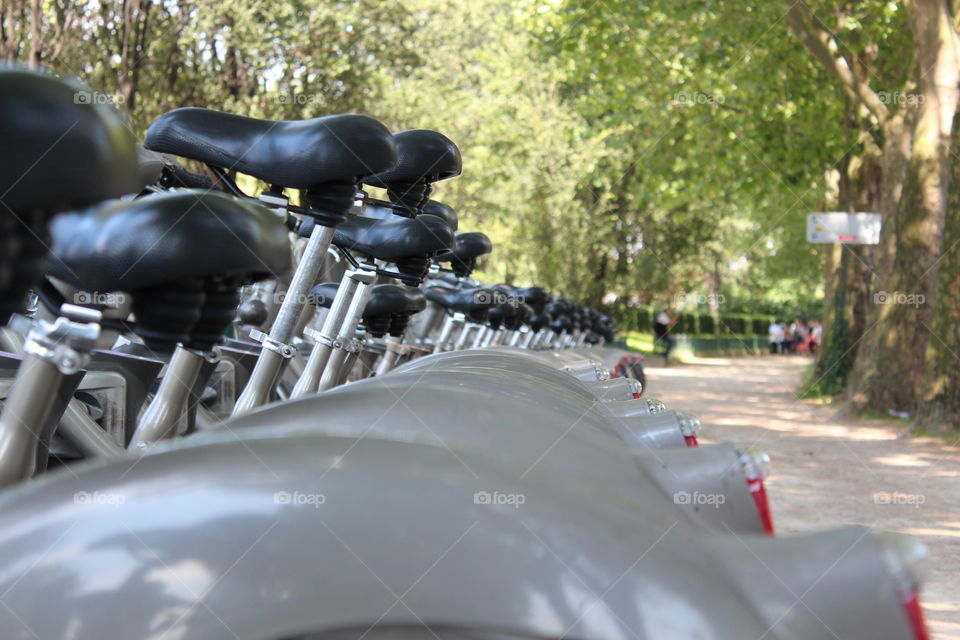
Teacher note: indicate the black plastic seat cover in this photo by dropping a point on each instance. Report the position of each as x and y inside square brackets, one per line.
[322, 294]
[539, 320]
[561, 323]
[392, 299]
[468, 245]
[61, 148]
[434, 208]
[168, 238]
[462, 300]
[498, 315]
[536, 297]
[523, 313]
[422, 156]
[394, 238]
[385, 299]
[297, 153]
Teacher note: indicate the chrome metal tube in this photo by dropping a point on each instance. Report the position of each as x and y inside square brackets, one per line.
[267, 370]
[449, 323]
[481, 336]
[389, 359]
[320, 354]
[331, 373]
[461, 341]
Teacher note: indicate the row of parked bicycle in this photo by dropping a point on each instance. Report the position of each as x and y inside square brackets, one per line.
[293, 414]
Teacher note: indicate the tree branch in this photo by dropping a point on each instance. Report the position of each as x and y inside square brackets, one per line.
[824, 48]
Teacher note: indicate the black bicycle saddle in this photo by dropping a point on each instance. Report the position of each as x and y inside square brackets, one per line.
[296, 153]
[168, 238]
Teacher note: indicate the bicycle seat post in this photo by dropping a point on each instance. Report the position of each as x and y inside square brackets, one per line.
[451, 323]
[328, 338]
[276, 346]
[345, 340]
[53, 351]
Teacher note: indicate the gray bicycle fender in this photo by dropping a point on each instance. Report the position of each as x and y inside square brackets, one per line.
[227, 537]
[655, 430]
[708, 482]
[454, 411]
[447, 413]
[500, 362]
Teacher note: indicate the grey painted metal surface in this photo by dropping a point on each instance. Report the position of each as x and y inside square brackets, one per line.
[160, 419]
[659, 430]
[547, 393]
[502, 361]
[24, 420]
[462, 409]
[273, 534]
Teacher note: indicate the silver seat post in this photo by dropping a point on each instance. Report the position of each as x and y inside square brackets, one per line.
[428, 323]
[461, 341]
[323, 347]
[546, 340]
[350, 361]
[331, 373]
[162, 415]
[450, 322]
[533, 337]
[276, 347]
[481, 337]
[53, 350]
[389, 360]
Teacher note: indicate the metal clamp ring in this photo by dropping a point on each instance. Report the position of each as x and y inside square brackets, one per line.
[285, 351]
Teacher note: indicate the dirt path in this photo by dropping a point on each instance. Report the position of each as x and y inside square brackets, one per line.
[828, 472]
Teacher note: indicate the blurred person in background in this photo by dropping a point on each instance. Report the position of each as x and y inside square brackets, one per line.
[661, 332]
[800, 336]
[776, 337]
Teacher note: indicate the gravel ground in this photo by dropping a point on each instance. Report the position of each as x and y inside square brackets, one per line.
[827, 471]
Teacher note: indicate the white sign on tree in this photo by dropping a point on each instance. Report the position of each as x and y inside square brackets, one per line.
[845, 228]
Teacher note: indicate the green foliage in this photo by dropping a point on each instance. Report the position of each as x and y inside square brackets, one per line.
[611, 150]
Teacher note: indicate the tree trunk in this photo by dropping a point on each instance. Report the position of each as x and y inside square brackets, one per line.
[865, 193]
[36, 43]
[940, 409]
[890, 373]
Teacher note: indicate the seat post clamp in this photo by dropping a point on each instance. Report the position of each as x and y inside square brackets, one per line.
[365, 273]
[318, 337]
[65, 342]
[286, 351]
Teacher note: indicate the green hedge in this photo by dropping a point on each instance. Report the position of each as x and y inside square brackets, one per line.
[644, 323]
[640, 319]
